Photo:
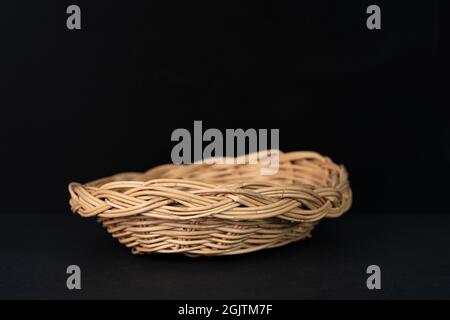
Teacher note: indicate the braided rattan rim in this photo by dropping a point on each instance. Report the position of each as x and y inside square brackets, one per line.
[216, 209]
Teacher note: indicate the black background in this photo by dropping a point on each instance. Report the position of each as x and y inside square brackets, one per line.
[78, 105]
[81, 104]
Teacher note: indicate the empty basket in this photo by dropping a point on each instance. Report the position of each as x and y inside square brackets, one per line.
[216, 209]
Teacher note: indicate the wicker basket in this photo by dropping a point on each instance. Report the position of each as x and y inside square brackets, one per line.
[216, 209]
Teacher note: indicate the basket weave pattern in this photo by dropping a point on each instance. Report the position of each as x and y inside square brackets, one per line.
[216, 209]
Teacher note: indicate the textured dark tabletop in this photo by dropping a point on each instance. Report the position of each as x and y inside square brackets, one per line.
[412, 251]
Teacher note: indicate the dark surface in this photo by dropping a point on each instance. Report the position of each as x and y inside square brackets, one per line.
[412, 252]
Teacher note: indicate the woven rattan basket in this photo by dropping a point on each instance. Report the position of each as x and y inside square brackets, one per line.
[216, 209]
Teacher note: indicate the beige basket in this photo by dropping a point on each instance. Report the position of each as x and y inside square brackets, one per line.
[216, 209]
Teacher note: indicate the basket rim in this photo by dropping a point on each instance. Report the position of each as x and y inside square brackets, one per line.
[131, 194]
